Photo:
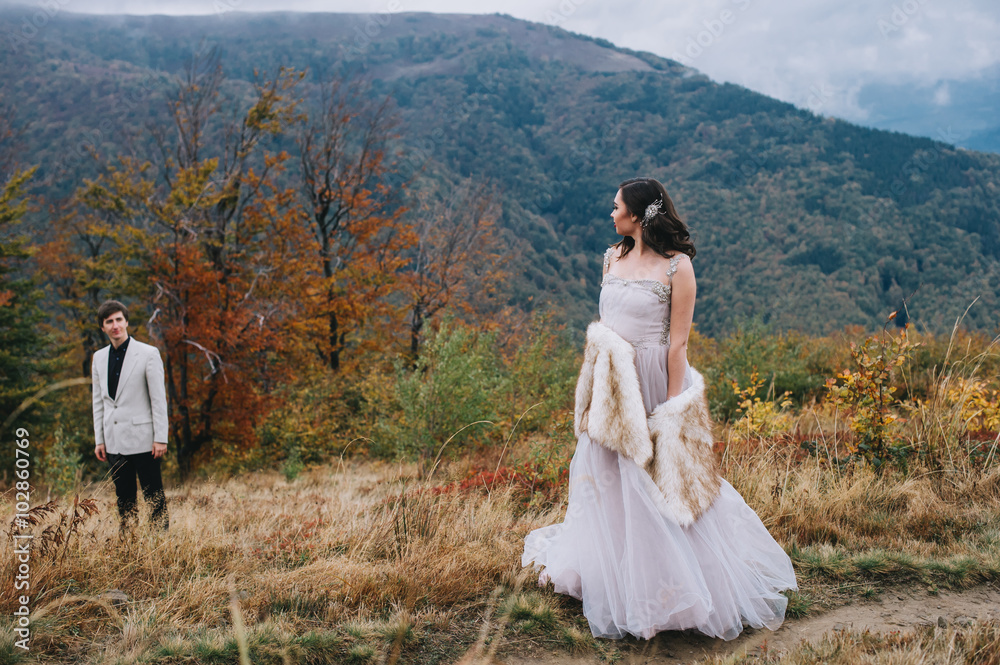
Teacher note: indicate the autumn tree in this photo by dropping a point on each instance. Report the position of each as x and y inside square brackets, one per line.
[81, 270]
[456, 259]
[211, 245]
[25, 347]
[356, 215]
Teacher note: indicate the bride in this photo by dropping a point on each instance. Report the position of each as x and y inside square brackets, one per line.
[654, 538]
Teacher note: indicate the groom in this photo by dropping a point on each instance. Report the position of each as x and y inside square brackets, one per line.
[130, 414]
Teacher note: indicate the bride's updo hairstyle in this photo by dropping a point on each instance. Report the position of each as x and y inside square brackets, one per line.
[664, 231]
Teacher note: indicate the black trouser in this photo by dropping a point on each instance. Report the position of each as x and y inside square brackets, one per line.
[124, 469]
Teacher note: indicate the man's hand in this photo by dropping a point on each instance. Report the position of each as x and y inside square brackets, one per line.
[159, 450]
[100, 452]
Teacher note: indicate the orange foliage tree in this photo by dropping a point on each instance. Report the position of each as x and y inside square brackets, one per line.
[356, 215]
[456, 260]
[213, 247]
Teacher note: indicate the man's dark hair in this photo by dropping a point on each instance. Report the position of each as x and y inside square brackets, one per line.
[108, 308]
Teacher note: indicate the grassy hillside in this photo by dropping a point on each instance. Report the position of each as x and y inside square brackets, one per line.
[810, 223]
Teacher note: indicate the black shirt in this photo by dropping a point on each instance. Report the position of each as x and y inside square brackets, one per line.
[116, 357]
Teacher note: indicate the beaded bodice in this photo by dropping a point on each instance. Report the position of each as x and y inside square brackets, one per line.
[637, 309]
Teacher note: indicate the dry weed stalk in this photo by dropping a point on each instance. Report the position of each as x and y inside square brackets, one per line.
[940, 424]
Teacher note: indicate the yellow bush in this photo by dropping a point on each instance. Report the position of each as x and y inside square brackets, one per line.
[760, 418]
[980, 405]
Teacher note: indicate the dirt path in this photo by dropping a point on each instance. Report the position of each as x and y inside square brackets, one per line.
[897, 609]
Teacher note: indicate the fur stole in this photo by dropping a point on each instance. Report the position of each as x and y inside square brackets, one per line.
[674, 445]
[608, 401]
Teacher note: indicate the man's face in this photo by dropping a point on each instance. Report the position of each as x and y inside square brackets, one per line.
[116, 327]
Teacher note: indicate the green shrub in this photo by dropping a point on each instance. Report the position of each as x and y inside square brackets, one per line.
[62, 464]
[449, 397]
[468, 388]
[292, 466]
[868, 393]
[543, 375]
[786, 362]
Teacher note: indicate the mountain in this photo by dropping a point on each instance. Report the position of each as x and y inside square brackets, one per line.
[809, 223]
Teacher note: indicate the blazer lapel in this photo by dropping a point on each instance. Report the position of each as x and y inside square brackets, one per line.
[131, 359]
[101, 358]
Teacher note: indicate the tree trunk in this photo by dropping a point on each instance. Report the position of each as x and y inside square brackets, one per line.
[334, 342]
[185, 438]
[416, 326]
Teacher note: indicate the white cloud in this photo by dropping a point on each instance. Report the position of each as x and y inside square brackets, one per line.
[942, 96]
[788, 50]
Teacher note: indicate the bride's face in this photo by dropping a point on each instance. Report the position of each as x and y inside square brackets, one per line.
[625, 222]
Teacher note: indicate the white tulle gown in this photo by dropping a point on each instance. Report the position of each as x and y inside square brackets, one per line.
[635, 570]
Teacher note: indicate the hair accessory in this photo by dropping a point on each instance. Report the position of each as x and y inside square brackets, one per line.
[652, 210]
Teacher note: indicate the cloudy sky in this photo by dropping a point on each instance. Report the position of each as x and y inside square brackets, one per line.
[817, 54]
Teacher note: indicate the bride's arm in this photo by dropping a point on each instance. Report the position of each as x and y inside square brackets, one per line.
[682, 292]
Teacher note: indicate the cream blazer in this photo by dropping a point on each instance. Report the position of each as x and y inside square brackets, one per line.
[137, 417]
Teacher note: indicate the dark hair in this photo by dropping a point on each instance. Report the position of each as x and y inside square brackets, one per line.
[109, 308]
[666, 232]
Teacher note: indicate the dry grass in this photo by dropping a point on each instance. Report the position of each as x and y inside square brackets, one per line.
[853, 531]
[975, 644]
[807, 502]
[335, 564]
[364, 564]
[931, 517]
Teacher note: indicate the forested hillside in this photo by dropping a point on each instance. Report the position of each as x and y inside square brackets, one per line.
[811, 223]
